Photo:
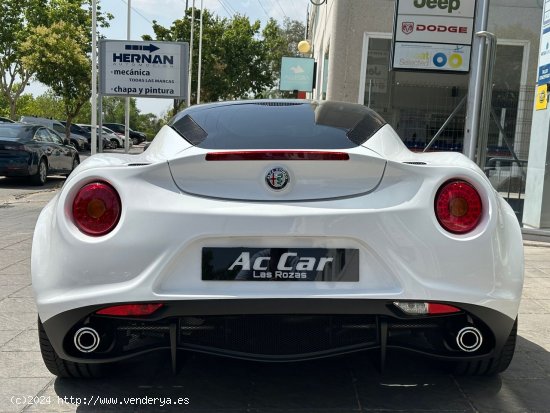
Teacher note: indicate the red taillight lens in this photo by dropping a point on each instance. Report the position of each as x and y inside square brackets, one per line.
[96, 209]
[130, 310]
[277, 155]
[458, 207]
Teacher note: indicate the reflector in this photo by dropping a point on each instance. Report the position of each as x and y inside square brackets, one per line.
[437, 308]
[130, 310]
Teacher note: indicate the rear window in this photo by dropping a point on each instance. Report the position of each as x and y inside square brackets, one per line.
[59, 128]
[278, 125]
[13, 132]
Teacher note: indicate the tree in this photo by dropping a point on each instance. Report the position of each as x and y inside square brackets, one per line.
[15, 18]
[47, 105]
[57, 54]
[235, 59]
[18, 19]
[281, 41]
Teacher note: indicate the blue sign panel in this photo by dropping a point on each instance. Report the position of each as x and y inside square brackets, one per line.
[544, 74]
[297, 74]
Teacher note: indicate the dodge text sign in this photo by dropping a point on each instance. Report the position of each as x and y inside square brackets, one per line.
[143, 69]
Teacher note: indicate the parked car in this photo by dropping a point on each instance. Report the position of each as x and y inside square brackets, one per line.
[277, 230]
[108, 143]
[119, 138]
[78, 141]
[87, 134]
[6, 120]
[35, 151]
[137, 137]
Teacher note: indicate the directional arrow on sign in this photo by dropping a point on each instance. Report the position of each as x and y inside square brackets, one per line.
[151, 47]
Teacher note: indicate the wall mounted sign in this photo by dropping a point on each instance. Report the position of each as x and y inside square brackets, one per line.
[433, 35]
[541, 99]
[297, 73]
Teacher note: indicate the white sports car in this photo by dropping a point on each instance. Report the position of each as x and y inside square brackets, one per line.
[277, 230]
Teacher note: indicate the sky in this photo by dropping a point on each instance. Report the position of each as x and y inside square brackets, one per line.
[166, 11]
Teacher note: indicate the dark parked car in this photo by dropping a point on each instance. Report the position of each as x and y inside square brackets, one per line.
[137, 137]
[6, 120]
[79, 130]
[34, 151]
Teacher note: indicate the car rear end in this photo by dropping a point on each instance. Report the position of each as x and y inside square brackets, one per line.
[286, 253]
[16, 158]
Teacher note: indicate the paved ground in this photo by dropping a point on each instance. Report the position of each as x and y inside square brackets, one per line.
[347, 384]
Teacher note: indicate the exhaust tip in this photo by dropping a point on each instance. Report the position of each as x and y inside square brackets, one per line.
[469, 339]
[86, 339]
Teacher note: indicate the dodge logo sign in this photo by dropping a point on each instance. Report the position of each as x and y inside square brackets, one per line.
[407, 27]
[277, 179]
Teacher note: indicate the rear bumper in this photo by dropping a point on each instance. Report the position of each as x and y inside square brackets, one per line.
[16, 166]
[278, 330]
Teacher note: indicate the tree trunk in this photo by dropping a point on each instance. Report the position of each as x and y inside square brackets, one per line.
[13, 109]
[68, 124]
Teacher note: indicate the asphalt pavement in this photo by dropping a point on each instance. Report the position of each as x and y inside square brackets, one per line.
[211, 384]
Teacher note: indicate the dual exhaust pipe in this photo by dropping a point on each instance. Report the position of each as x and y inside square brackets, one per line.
[468, 339]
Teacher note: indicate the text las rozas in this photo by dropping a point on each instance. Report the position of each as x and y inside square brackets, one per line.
[143, 90]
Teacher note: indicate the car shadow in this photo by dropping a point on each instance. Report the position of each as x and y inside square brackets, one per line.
[340, 384]
[25, 183]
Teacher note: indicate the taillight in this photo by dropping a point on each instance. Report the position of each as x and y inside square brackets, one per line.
[96, 209]
[126, 310]
[425, 308]
[458, 207]
[277, 155]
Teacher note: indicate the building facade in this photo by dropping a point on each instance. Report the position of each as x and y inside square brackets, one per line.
[352, 40]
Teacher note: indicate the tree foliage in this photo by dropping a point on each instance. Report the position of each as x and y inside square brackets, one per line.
[238, 59]
[20, 19]
[16, 16]
[57, 54]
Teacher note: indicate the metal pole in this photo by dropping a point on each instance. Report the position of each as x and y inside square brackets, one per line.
[442, 128]
[200, 60]
[101, 122]
[475, 85]
[93, 140]
[191, 54]
[127, 108]
[485, 112]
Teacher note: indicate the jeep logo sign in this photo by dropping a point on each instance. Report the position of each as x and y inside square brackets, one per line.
[449, 5]
[454, 8]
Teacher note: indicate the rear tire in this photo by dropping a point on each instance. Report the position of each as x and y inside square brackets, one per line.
[40, 177]
[64, 368]
[493, 365]
[75, 163]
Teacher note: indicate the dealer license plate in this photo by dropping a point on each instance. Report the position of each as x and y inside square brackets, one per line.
[280, 264]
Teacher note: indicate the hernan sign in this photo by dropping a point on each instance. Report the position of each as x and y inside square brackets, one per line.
[143, 69]
[433, 35]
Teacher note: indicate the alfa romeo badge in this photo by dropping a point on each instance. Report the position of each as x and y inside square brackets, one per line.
[277, 178]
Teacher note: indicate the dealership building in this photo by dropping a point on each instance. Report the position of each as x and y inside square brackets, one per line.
[352, 45]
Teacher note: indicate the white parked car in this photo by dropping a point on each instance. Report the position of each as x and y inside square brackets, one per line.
[277, 230]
